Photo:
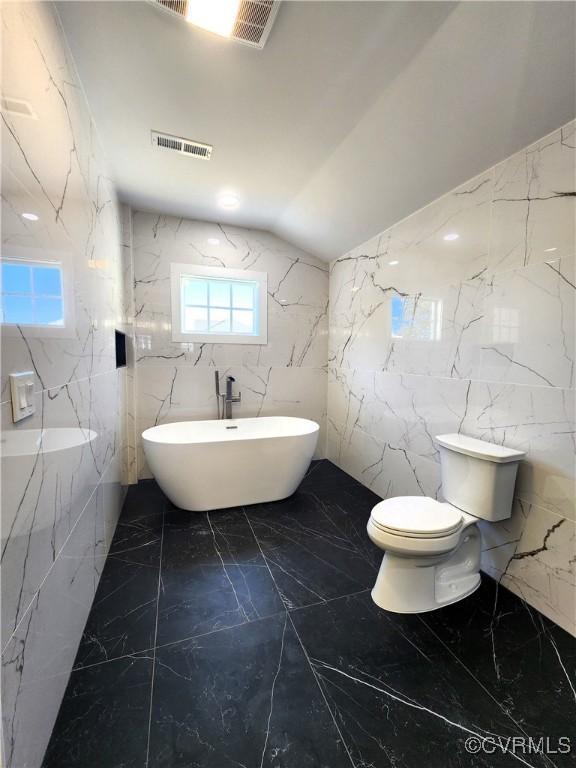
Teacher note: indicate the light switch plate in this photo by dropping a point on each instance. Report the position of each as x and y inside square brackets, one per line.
[22, 392]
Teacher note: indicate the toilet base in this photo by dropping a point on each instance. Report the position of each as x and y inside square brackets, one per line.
[421, 584]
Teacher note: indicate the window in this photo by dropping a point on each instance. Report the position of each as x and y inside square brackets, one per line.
[219, 305]
[506, 325]
[415, 317]
[32, 294]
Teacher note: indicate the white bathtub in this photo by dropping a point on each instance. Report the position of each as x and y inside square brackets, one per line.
[202, 465]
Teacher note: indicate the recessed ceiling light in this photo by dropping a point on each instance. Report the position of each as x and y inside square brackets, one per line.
[30, 216]
[218, 16]
[393, 263]
[549, 250]
[451, 236]
[213, 241]
[228, 201]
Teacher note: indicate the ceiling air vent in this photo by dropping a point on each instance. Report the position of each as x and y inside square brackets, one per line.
[182, 146]
[253, 22]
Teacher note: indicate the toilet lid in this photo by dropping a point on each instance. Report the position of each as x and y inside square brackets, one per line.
[417, 516]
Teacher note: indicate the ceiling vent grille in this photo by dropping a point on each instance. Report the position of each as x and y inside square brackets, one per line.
[182, 146]
[253, 22]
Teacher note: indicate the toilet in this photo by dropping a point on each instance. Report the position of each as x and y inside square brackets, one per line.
[432, 548]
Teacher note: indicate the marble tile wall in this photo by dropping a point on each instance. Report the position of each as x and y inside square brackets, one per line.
[471, 335]
[175, 381]
[61, 468]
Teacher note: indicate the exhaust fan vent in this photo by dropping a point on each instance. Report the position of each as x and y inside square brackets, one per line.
[182, 146]
[253, 22]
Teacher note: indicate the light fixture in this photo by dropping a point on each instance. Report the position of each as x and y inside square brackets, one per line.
[213, 241]
[393, 263]
[451, 236]
[355, 288]
[283, 301]
[549, 250]
[218, 16]
[30, 216]
[228, 201]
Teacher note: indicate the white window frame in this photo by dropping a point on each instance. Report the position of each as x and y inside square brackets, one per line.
[49, 259]
[178, 271]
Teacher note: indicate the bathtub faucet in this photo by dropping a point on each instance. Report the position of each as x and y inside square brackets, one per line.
[225, 410]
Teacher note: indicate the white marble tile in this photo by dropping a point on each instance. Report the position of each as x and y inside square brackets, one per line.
[287, 375]
[382, 467]
[403, 410]
[527, 326]
[37, 661]
[474, 335]
[297, 292]
[533, 217]
[533, 555]
[50, 465]
[433, 332]
[538, 420]
[414, 252]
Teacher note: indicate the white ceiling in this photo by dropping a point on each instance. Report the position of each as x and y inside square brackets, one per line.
[354, 115]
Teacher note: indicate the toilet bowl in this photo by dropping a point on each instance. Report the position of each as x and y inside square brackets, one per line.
[432, 548]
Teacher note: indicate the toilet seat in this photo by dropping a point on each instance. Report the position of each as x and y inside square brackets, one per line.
[417, 517]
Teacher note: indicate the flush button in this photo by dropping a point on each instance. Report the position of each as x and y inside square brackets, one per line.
[22, 393]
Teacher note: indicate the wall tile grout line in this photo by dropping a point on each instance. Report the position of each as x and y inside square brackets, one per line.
[49, 571]
[155, 637]
[39, 392]
[339, 732]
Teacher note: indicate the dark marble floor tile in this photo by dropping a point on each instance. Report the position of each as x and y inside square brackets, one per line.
[400, 698]
[241, 697]
[103, 720]
[521, 657]
[213, 575]
[317, 549]
[329, 481]
[123, 616]
[144, 499]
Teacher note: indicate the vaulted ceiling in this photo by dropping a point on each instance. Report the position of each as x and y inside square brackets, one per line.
[354, 114]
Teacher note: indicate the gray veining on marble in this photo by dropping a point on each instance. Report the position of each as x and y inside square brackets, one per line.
[61, 491]
[175, 381]
[473, 335]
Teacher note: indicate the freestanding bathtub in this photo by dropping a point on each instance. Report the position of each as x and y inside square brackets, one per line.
[203, 465]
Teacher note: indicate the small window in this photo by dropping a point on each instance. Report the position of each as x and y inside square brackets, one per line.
[416, 317]
[32, 294]
[219, 305]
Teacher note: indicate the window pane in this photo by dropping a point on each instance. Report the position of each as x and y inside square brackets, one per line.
[16, 278]
[195, 291]
[47, 281]
[195, 319]
[219, 293]
[243, 295]
[219, 321]
[17, 309]
[48, 312]
[242, 321]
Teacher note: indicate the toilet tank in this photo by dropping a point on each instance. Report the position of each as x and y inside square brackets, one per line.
[478, 477]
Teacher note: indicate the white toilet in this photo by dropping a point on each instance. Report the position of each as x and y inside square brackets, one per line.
[432, 548]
